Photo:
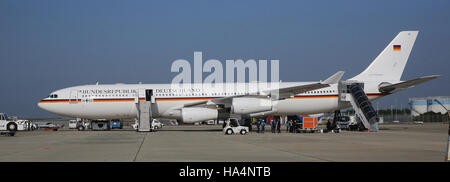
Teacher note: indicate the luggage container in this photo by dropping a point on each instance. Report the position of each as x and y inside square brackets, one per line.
[308, 124]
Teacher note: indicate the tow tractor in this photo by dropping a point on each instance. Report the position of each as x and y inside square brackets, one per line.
[231, 126]
[7, 127]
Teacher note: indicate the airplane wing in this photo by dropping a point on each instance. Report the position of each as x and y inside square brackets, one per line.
[406, 84]
[283, 93]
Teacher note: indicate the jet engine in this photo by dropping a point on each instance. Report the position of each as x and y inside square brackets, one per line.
[384, 90]
[250, 105]
[192, 115]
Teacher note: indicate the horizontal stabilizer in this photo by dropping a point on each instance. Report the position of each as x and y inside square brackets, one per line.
[406, 84]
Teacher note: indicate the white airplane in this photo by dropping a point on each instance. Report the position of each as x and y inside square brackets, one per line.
[114, 101]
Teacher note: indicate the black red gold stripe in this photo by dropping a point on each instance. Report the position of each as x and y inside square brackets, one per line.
[59, 101]
[397, 47]
[115, 100]
[187, 98]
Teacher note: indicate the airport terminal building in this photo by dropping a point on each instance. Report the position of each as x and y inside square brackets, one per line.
[426, 104]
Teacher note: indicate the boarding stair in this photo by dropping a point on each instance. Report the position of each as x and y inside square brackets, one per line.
[145, 114]
[353, 92]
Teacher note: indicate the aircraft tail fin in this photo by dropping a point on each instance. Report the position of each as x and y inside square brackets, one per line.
[390, 63]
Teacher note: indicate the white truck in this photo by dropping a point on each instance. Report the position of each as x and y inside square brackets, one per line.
[6, 126]
[24, 125]
[156, 124]
[73, 124]
[232, 126]
[154, 127]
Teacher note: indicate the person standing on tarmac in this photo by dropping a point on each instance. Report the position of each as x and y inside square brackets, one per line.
[278, 126]
[258, 123]
[272, 125]
[288, 122]
[263, 124]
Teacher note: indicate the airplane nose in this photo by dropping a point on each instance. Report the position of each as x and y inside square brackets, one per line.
[41, 105]
[44, 105]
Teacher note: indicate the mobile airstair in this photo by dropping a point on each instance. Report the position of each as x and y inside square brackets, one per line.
[144, 108]
[353, 92]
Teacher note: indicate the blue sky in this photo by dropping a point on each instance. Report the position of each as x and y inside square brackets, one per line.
[51, 44]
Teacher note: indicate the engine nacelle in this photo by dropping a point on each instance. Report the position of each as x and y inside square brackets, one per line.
[383, 84]
[250, 105]
[192, 115]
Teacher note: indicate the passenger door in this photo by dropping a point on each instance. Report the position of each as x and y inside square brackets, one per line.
[75, 103]
[73, 97]
[149, 95]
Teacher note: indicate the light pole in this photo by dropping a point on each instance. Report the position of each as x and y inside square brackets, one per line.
[447, 157]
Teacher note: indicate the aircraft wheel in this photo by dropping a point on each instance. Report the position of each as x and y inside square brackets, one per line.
[229, 132]
[361, 127]
[12, 127]
[80, 128]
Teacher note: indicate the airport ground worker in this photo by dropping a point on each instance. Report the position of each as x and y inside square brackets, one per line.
[278, 126]
[263, 125]
[258, 123]
[287, 125]
[272, 126]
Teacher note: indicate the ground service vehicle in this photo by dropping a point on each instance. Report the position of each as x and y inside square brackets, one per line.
[116, 123]
[156, 124]
[73, 124]
[7, 127]
[232, 127]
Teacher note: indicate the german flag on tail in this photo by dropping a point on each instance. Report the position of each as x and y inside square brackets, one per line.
[397, 47]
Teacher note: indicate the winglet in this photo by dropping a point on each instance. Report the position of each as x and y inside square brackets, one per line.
[334, 79]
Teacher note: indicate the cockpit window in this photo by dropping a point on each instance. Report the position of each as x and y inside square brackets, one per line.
[53, 96]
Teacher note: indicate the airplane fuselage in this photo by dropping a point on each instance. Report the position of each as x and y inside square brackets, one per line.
[119, 100]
